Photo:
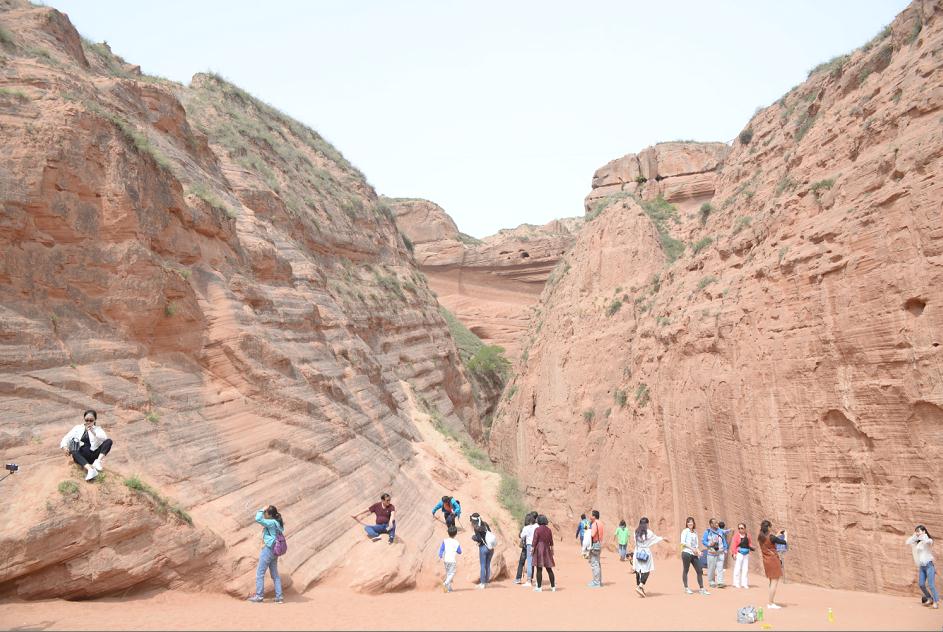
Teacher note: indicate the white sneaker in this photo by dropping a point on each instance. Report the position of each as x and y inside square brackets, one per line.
[704, 591]
[689, 591]
[481, 586]
[91, 473]
[772, 606]
[98, 464]
[538, 589]
[553, 589]
[526, 584]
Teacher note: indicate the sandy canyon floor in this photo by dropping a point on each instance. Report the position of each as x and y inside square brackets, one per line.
[502, 606]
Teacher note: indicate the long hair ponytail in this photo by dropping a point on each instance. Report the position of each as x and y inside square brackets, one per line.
[764, 530]
[642, 532]
[273, 512]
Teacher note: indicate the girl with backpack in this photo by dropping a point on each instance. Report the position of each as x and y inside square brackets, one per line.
[486, 542]
[691, 556]
[543, 553]
[273, 539]
[771, 562]
[740, 545]
[642, 560]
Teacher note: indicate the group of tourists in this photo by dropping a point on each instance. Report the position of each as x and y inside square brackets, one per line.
[88, 444]
[707, 552]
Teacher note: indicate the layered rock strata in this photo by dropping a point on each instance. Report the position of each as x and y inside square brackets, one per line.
[236, 302]
[774, 354]
[681, 172]
[491, 285]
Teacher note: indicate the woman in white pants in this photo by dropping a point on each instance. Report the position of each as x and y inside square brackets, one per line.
[740, 545]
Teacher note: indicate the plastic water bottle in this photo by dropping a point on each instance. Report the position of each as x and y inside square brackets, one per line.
[831, 616]
[759, 614]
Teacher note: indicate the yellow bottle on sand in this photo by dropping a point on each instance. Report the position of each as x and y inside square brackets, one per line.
[831, 616]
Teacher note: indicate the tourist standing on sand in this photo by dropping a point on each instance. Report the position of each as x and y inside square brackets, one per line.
[482, 537]
[580, 528]
[771, 562]
[622, 540]
[595, 549]
[385, 518]
[543, 553]
[87, 444]
[690, 556]
[451, 510]
[529, 519]
[582, 536]
[527, 537]
[272, 527]
[920, 543]
[716, 546]
[642, 560]
[740, 546]
[449, 548]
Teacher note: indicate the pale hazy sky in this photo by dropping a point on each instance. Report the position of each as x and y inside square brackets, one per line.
[498, 111]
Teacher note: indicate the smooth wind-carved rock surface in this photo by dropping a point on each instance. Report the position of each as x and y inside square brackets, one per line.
[236, 302]
[788, 364]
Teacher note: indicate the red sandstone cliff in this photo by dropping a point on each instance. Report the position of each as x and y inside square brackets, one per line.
[787, 365]
[491, 284]
[237, 303]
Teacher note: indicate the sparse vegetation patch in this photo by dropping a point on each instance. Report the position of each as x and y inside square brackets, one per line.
[660, 211]
[163, 505]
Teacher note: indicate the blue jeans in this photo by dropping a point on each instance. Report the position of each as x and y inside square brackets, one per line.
[623, 551]
[927, 580]
[375, 530]
[484, 558]
[530, 562]
[267, 560]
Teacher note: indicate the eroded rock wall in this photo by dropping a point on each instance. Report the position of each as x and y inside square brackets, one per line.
[491, 285]
[787, 366]
[236, 302]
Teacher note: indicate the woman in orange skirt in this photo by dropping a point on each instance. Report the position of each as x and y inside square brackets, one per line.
[771, 563]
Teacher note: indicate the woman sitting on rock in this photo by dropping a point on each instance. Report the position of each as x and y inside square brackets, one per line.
[87, 444]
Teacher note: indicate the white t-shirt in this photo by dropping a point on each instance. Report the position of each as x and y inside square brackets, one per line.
[689, 541]
[528, 534]
[448, 550]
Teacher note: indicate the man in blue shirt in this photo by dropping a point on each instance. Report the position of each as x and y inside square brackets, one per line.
[451, 510]
[715, 545]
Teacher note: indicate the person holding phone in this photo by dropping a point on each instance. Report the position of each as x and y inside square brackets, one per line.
[921, 543]
[771, 562]
[87, 444]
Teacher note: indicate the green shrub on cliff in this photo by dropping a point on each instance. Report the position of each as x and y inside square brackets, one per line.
[163, 505]
[660, 211]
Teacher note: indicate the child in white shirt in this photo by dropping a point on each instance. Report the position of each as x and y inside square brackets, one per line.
[447, 552]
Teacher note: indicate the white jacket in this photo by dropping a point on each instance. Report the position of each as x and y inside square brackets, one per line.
[95, 436]
[920, 546]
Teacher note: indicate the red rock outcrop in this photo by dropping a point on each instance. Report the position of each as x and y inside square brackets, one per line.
[492, 284]
[681, 172]
[787, 364]
[236, 302]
